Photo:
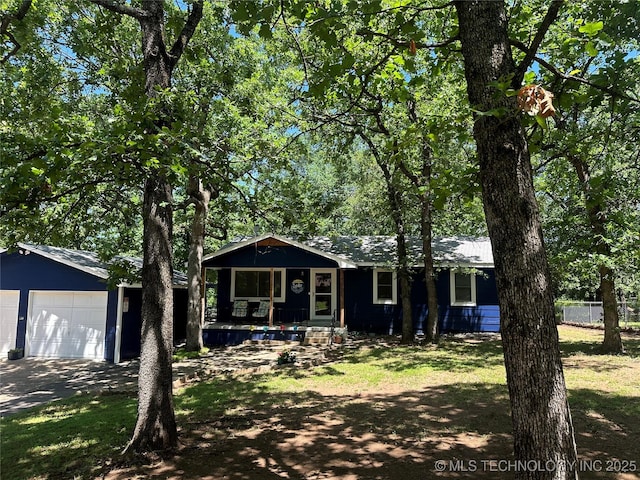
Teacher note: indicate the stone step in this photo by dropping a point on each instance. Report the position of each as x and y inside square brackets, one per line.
[292, 343]
[317, 334]
[316, 341]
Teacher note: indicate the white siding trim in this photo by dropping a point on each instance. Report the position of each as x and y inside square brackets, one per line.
[394, 286]
[452, 288]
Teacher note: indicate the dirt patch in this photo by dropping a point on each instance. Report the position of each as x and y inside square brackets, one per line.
[393, 433]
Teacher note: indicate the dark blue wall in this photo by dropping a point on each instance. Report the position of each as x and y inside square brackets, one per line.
[35, 272]
[132, 321]
[363, 315]
[360, 311]
[266, 257]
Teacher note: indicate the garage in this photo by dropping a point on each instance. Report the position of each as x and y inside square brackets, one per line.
[58, 303]
[9, 303]
[65, 324]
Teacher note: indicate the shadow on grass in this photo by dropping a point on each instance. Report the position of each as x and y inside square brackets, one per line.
[74, 435]
[451, 354]
[374, 436]
[593, 345]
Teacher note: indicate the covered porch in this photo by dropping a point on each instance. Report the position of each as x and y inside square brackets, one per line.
[268, 285]
[223, 333]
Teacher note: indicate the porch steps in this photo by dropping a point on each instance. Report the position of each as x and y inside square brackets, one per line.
[321, 335]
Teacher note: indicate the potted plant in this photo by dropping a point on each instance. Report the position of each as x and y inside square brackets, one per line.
[286, 356]
[15, 353]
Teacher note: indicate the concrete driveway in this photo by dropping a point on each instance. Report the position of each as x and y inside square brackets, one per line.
[30, 382]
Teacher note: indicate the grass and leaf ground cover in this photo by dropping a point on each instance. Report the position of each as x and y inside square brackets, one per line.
[379, 410]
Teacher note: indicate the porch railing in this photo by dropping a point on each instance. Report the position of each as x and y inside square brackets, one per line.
[280, 315]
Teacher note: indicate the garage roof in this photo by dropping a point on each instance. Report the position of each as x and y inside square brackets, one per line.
[88, 262]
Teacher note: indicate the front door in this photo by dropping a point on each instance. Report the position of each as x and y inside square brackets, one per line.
[323, 294]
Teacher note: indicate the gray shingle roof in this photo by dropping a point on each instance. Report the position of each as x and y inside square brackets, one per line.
[89, 262]
[381, 250]
[353, 251]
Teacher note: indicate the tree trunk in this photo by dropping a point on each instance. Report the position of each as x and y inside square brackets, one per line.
[404, 274]
[422, 184]
[156, 425]
[395, 204]
[200, 198]
[426, 227]
[542, 426]
[612, 342]
[431, 332]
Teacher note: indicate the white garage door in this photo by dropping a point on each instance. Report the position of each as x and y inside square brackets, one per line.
[67, 324]
[9, 301]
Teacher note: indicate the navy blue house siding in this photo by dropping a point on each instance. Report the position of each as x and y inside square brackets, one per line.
[360, 312]
[484, 317]
[35, 272]
[132, 321]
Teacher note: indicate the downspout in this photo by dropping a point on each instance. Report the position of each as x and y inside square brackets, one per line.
[271, 282]
[118, 340]
[342, 298]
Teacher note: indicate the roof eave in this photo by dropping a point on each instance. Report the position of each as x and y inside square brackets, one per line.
[342, 263]
[83, 268]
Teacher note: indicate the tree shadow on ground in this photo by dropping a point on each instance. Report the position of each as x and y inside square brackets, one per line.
[631, 344]
[451, 354]
[397, 435]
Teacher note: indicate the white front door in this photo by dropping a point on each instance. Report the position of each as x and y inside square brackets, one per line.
[323, 293]
[67, 324]
[9, 302]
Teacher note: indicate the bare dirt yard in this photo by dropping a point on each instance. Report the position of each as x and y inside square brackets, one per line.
[376, 410]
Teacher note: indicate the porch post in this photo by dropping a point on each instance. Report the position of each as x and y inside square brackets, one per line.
[203, 291]
[271, 282]
[341, 298]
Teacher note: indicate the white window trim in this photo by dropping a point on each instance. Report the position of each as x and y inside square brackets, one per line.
[452, 289]
[394, 288]
[283, 289]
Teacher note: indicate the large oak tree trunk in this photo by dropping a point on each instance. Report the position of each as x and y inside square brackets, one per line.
[542, 426]
[612, 342]
[156, 425]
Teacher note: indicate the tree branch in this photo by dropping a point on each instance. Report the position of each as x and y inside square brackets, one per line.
[530, 52]
[405, 43]
[614, 93]
[116, 7]
[187, 32]
[19, 15]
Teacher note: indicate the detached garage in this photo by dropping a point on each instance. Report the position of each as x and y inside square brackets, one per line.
[55, 303]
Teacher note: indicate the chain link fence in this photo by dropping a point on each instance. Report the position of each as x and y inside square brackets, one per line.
[592, 313]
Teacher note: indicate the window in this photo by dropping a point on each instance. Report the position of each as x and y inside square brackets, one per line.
[254, 284]
[385, 287]
[463, 289]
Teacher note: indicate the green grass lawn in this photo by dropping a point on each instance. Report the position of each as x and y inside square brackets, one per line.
[81, 437]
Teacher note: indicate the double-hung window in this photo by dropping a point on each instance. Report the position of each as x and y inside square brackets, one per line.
[385, 287]
[463, 289]
[255, 283]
